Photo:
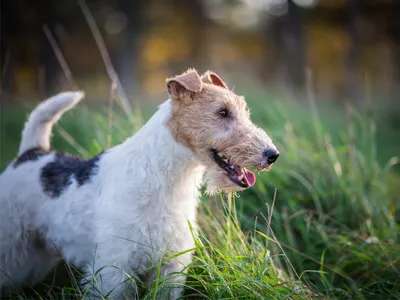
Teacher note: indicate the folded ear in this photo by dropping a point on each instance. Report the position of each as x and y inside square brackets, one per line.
[213, 78]
[180, 85]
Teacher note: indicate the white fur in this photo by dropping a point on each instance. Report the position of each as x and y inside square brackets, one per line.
[134, 211]
[37, 131]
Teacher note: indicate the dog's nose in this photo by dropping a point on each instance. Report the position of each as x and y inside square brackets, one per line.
[272, 155]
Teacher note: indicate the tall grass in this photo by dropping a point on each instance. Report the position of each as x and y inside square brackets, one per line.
[324, 223]
[338, 205]
[332, 231]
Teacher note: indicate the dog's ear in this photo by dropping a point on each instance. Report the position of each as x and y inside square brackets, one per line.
[184, 84]
[212, 78]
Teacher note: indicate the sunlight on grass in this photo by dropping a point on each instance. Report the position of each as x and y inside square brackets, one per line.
[333, 231]
[324, 223]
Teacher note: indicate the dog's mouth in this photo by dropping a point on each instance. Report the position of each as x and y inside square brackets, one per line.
[237, 174]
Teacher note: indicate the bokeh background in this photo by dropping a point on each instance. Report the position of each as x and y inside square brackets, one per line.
[343, 51]
[347, 44]
[321, 76]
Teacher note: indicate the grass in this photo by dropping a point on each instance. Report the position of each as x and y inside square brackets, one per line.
[324, 223]
[338, 205]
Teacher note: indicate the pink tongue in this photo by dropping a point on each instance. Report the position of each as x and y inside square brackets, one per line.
[249, 177]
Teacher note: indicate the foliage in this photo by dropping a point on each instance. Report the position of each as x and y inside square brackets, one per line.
[323, 223]
[337, 208]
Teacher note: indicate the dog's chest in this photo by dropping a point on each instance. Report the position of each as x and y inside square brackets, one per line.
[171, 222]
[149, 218]
[161, 232]
[167, 222]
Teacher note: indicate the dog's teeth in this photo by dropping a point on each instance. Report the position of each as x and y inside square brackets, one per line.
[219, 154]
[241, 177]
[225, 160]
[232, 167]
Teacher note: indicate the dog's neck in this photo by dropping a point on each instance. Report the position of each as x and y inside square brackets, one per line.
[168, 159]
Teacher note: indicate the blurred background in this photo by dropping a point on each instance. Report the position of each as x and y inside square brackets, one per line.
[341, 52]
[347, 45]
[322, 77]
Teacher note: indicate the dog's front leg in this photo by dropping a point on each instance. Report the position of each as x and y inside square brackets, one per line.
[111, 282]
[171, 277]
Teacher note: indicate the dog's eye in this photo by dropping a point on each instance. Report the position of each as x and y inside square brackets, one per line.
[224, 113]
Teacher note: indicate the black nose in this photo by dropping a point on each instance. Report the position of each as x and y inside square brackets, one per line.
[272, 155]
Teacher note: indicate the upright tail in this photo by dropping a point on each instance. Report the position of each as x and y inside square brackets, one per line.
[37, 130]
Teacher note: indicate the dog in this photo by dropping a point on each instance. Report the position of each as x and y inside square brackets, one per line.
[132, 207]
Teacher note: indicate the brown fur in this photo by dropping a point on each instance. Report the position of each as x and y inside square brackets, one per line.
[197, 124]
[212, 78]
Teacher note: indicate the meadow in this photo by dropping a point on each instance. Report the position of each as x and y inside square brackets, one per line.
[322, 224]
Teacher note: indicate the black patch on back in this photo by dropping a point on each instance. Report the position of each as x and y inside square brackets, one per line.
[57, 175]
[30, 155]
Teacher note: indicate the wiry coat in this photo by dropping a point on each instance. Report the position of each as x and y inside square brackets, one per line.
[127, 216]
[124, 210]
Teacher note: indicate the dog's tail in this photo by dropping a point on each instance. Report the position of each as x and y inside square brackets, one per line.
[37, 130]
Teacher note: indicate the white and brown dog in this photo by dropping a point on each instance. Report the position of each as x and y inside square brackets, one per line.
[128, 208]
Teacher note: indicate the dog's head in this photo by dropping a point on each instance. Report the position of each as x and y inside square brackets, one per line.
[215, 124]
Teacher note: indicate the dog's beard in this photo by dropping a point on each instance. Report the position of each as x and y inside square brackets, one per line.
[217, 180]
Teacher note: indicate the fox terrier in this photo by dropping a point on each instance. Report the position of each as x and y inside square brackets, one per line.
[130, 211]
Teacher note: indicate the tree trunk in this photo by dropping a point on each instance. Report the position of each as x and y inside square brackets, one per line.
[196, 11]
[6, 59]
[353, 91]
[295, 45]
[128, 50]
[285, 39]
